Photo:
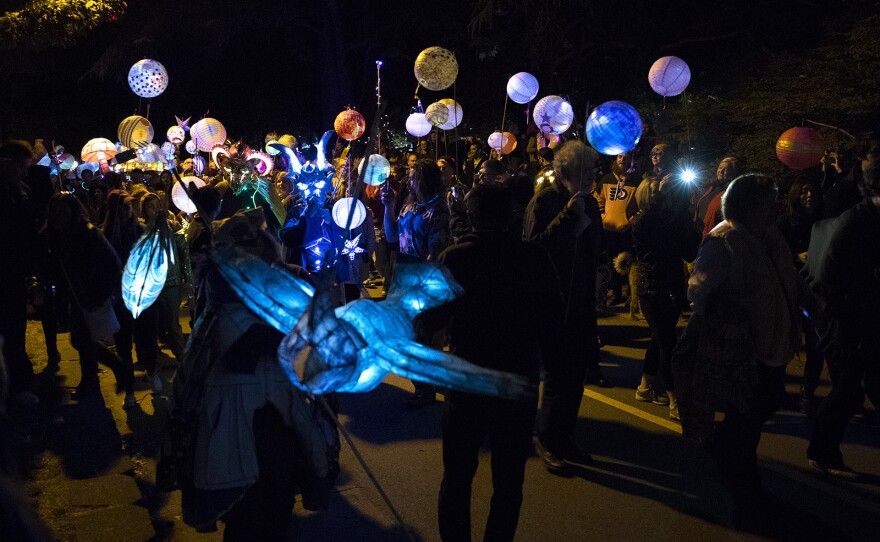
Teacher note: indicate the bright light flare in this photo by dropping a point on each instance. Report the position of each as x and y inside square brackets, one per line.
[688, 176]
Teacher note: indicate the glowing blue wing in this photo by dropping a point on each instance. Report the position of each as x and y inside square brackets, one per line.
[419, 287]
[271, 292]
[144, 274]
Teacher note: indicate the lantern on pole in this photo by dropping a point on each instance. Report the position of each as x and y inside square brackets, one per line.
[134, 131]
[522, 87]
[350, 125]
[553, 114]
[669, 76]
[148, 78]
[417, 125]
[436, 68]
[99, 150]
[614, 128]
[800, 148]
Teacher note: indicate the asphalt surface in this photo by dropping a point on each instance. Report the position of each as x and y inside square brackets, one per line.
[90, 468]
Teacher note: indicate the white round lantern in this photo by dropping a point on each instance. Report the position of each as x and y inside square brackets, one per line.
[522, 87]
[135, 130]
[207, 133]
[437, 114]
[342, 208]
[181, 199]
[497, 140]
[191, 147]
[417, 125]
[455, 114]
[175, 135]
[553, 114]
[148, 78]
[669, 76]
[378, 170]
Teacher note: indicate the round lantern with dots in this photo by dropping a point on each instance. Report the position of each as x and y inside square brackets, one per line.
[350, 125]
[669, 76]
[522, 87]
[417, 125]
[148, 78]
[135, 131]
[436, 68]
[207, 133]
[378, 170]
[456, 114]
[437, 114]
[553, 114]
[343, 207]
[800, 148]
[614, 128]
[175, 135]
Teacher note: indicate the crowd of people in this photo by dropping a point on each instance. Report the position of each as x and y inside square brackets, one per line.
[758, 274]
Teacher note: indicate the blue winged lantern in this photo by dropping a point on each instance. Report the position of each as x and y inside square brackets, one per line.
[330, 347]
[147, 268]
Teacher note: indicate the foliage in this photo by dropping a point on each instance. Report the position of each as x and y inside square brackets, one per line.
[56, 23]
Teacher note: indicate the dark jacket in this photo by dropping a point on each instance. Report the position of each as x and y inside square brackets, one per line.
[548, 223]
[89, 264]
[796, 230]
[512, 305]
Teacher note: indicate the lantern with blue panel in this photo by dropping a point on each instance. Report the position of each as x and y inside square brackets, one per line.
[614, 128]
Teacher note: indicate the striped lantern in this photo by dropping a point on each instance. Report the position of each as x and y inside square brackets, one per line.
[148, 78]
[455, 114]
[437, 114]
[553, 114]
[417, 125]
[522, 87]
[350, 125]
[343, 207]
[134, 131]
[669, 76]
[198, 164]
[800, 148]
[207, 133]
[436, 68]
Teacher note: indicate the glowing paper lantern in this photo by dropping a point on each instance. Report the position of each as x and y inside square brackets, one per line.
[191, 147]
[800, 148]
[168, 148]
[98, 150]
[207, 133]
[198, 164]
[350, 125]
[288, 141]
[135, 130]
[151, 153]
[497, 140]
[437, 114]
[553, 114]
[175, 135]
[179, 197]
[145, 272]
[270, 149]
[522, 87]
[378, 170]
[614, 128]
[417, 125]
[148, 78]
[510, 143]
[436, 68]
[68, 161]
[669, 76]
[455, 114]
[342, 208]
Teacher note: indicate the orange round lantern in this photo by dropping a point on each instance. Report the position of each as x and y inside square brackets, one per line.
[350, 125]
[800, 148]
[509, 143]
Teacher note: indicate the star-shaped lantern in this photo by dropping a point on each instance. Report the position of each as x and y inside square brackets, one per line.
[351, 248]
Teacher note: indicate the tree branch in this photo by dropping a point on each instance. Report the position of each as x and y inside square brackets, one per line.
[703, 39]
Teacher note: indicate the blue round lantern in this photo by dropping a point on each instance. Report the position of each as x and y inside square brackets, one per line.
[614, 128]
[378, 170]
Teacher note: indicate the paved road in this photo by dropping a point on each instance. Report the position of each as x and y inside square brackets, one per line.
[646, 482]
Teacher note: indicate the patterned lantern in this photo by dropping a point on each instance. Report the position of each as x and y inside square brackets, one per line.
[800, 148]
[509, 143]
[270, 149]
[436, 68]
[417, 125]
[191, 147]
[135, 130]
[151, 153]
[168, 148]
[553, 114]
[181, 199]
[148, 78]
[175, 135]
[377, 171]
[437, 114]
[522, 87]
[497, 140]
[341, 210]
[207, 133]
[455, 114]
[198, 164]
[614, 128]
[350, 125]
[669, 76]
[99, 150]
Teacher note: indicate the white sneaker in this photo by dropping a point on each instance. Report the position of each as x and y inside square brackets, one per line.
[156, 383]
[27, 398]
[130, 401]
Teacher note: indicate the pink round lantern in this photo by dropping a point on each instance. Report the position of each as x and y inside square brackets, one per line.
[207, 133]
[417, 125]
[669, 76]
[800, 148]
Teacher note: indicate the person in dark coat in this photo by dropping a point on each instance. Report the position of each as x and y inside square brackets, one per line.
[564, 218]
[513, 285]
